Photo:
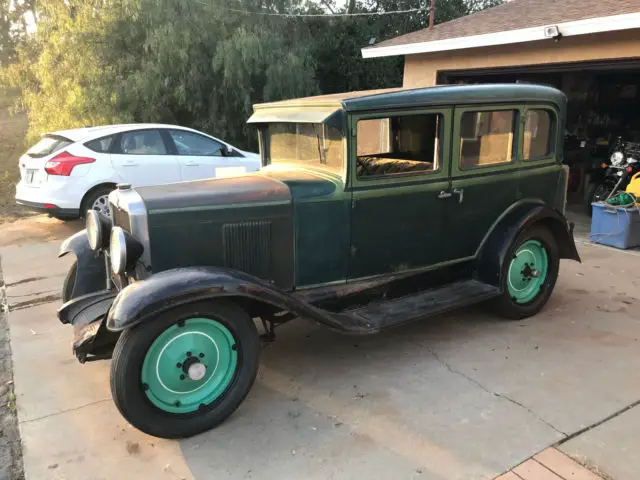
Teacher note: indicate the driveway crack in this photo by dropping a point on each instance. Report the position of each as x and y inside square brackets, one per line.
[495, 394]
[54, 414]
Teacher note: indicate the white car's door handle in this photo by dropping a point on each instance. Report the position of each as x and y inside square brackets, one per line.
[130, 163]
[191, 163]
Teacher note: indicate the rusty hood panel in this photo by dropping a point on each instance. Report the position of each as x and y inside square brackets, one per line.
[220, 192]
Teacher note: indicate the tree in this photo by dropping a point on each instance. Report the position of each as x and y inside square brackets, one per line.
[197, 63]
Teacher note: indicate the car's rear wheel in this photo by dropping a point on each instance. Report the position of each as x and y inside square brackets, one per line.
[529, 275]
[187, 370]
[97, 200]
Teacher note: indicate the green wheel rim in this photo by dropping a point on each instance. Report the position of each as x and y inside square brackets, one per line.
[190, 365]
[527, 271]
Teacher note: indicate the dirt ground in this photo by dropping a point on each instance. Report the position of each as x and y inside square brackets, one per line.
[12, 143]
[10, 446]
[13, 129]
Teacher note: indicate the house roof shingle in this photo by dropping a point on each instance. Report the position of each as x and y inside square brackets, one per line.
[515, 15]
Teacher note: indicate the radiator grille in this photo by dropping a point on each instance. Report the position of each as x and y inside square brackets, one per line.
[120, 218]
[247, 247]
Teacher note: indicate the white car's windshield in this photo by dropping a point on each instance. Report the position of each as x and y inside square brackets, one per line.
[312, 144]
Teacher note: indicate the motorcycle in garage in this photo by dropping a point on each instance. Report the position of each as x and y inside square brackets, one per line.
[614, 174]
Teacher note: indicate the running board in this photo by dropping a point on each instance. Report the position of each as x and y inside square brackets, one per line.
[384, 314]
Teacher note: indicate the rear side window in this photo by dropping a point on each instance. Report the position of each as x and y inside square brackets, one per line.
[486, 138]
[47, 145]
[538, 131]
[100, 145]
[142, 142]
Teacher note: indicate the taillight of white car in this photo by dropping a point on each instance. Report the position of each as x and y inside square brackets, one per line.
[64, 163]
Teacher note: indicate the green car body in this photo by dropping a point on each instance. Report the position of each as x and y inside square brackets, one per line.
[371, 210]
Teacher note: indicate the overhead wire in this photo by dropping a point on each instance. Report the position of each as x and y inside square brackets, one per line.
[314, 15]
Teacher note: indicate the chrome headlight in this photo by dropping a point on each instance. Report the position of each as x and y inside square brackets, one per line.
[98, 227]
[617, 158]
[124, 250]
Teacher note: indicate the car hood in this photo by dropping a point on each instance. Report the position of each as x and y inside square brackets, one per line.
[215, 193]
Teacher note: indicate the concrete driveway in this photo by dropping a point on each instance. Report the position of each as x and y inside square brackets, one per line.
[463, 396]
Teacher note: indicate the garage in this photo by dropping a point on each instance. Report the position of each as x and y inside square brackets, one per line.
[590, 50]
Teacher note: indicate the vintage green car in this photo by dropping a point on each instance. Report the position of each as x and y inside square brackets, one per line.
[371, 210]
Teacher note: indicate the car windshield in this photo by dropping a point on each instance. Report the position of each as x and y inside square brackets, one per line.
[311, 144]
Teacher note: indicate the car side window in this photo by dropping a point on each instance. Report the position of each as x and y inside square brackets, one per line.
[142, 142]
[189, 143]
[100, 145]
[538, 132]
[486, 138]
[402, 144]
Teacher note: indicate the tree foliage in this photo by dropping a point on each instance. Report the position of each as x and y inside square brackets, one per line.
[198, 63]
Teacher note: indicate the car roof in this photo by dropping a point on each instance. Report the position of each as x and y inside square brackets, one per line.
[87, 133]
[445, 94]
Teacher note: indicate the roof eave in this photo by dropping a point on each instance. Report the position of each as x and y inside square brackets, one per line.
[567, 29]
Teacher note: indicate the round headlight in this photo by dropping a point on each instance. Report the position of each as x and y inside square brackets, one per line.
[94, 229]
[118, 251]
[617, 158]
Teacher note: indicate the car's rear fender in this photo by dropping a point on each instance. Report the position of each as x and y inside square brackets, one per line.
[91, 274]
[521, 215]
[144, 300]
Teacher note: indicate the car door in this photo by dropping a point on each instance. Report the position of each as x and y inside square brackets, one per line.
[484, 174]
[202, 157]
[141, 158]
[399, 169]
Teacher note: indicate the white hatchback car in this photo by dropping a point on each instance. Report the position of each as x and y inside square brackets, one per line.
[69, 172]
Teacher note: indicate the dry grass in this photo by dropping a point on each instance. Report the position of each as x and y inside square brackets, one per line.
[13, 129]
[589, 465]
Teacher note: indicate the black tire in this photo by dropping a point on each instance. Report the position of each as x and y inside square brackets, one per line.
[91, 198]
[69, 283]
[595, 192]
[131, 349]
[505, 306]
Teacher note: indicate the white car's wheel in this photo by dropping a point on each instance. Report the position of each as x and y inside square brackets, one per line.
[98, 200]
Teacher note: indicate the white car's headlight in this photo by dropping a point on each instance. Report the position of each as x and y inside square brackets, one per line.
[118, 251]
[617, 158]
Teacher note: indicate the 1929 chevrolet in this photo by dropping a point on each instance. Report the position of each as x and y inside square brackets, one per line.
[371, 210]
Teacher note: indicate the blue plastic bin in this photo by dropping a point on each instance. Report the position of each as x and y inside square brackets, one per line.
[615, 226]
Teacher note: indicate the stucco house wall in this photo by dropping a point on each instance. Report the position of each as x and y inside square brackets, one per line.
[421, 70]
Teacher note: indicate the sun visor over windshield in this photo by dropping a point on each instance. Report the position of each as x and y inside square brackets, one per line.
[328, 116]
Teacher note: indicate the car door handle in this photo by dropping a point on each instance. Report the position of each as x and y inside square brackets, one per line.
[191, 163]
[130, 163]
[460, 193]
[444, 194]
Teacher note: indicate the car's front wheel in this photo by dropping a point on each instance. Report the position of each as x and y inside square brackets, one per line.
[529, 273]
[187, 370]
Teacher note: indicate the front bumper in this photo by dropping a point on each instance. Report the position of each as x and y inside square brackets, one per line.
[87, 314]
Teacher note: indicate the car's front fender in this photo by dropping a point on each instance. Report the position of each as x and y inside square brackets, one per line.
[144, 300]
[91, 273]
